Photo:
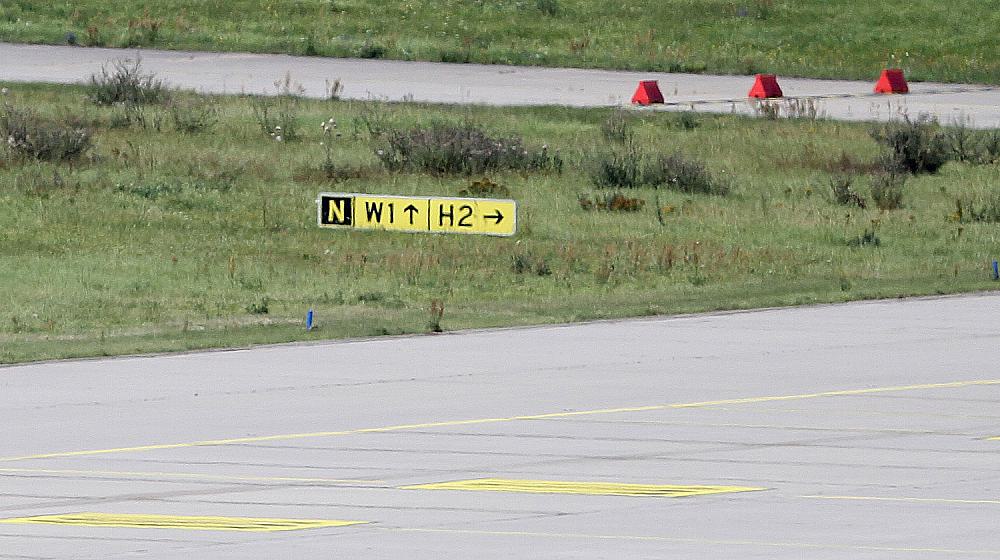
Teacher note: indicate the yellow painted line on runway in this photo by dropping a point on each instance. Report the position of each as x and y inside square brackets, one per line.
[585, 488]
[722, 542]
[879, 413]
[480, 421]
[190, 476]
[996, 438]
[844, 393]
[905, 499]
[792, 427]
[193, 523]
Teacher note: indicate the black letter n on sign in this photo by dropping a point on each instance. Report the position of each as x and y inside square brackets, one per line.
[336, 211]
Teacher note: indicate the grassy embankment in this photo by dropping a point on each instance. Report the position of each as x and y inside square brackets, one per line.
[931, 40]
[161, 239]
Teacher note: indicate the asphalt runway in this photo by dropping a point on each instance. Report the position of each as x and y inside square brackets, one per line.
[865, 430]
[236, 73]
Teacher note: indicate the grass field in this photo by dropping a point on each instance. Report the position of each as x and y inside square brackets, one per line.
[188, 226]
[945, 41]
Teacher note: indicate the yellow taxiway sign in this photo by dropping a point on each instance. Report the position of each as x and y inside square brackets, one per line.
[417, 214]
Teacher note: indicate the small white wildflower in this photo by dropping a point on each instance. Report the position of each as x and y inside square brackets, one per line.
[4, 91]
[278, 138]
[277, 129]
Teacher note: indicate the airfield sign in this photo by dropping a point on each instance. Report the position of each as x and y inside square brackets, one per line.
[417, 214]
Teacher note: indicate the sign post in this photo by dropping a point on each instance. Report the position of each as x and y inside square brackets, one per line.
[417, 214]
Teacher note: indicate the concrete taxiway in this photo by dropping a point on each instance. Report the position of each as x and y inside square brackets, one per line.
[237, 73]
[865, 430]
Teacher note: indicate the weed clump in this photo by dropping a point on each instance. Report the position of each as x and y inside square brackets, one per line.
[548, 7]
[373, 119]
[330, 132]
[447, 149]
[436, 314]
[142, 31]
[126, 83]
[986, 210]
[869, 237]
[972, 146]
[485, 188]
[260, 306]
[687, 120]
[628, 168]
[617, 127]
[192, 118]
[887, 189]
[915, 145]
[278, 116]
[29, 135]
[612, 202]
[522, 263]
[844, 194]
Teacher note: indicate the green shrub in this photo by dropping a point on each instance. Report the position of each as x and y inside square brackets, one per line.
[461, 149]
[371, 50]
[989, 147]
[29, 135]
[455, 56]
[915, 145]
[680, 173]
[617, 169]
[125, 83]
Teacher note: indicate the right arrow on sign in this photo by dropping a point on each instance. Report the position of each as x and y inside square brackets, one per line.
[498, 216]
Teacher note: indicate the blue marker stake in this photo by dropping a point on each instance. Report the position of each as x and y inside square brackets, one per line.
[309, 320]
[996, 271]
